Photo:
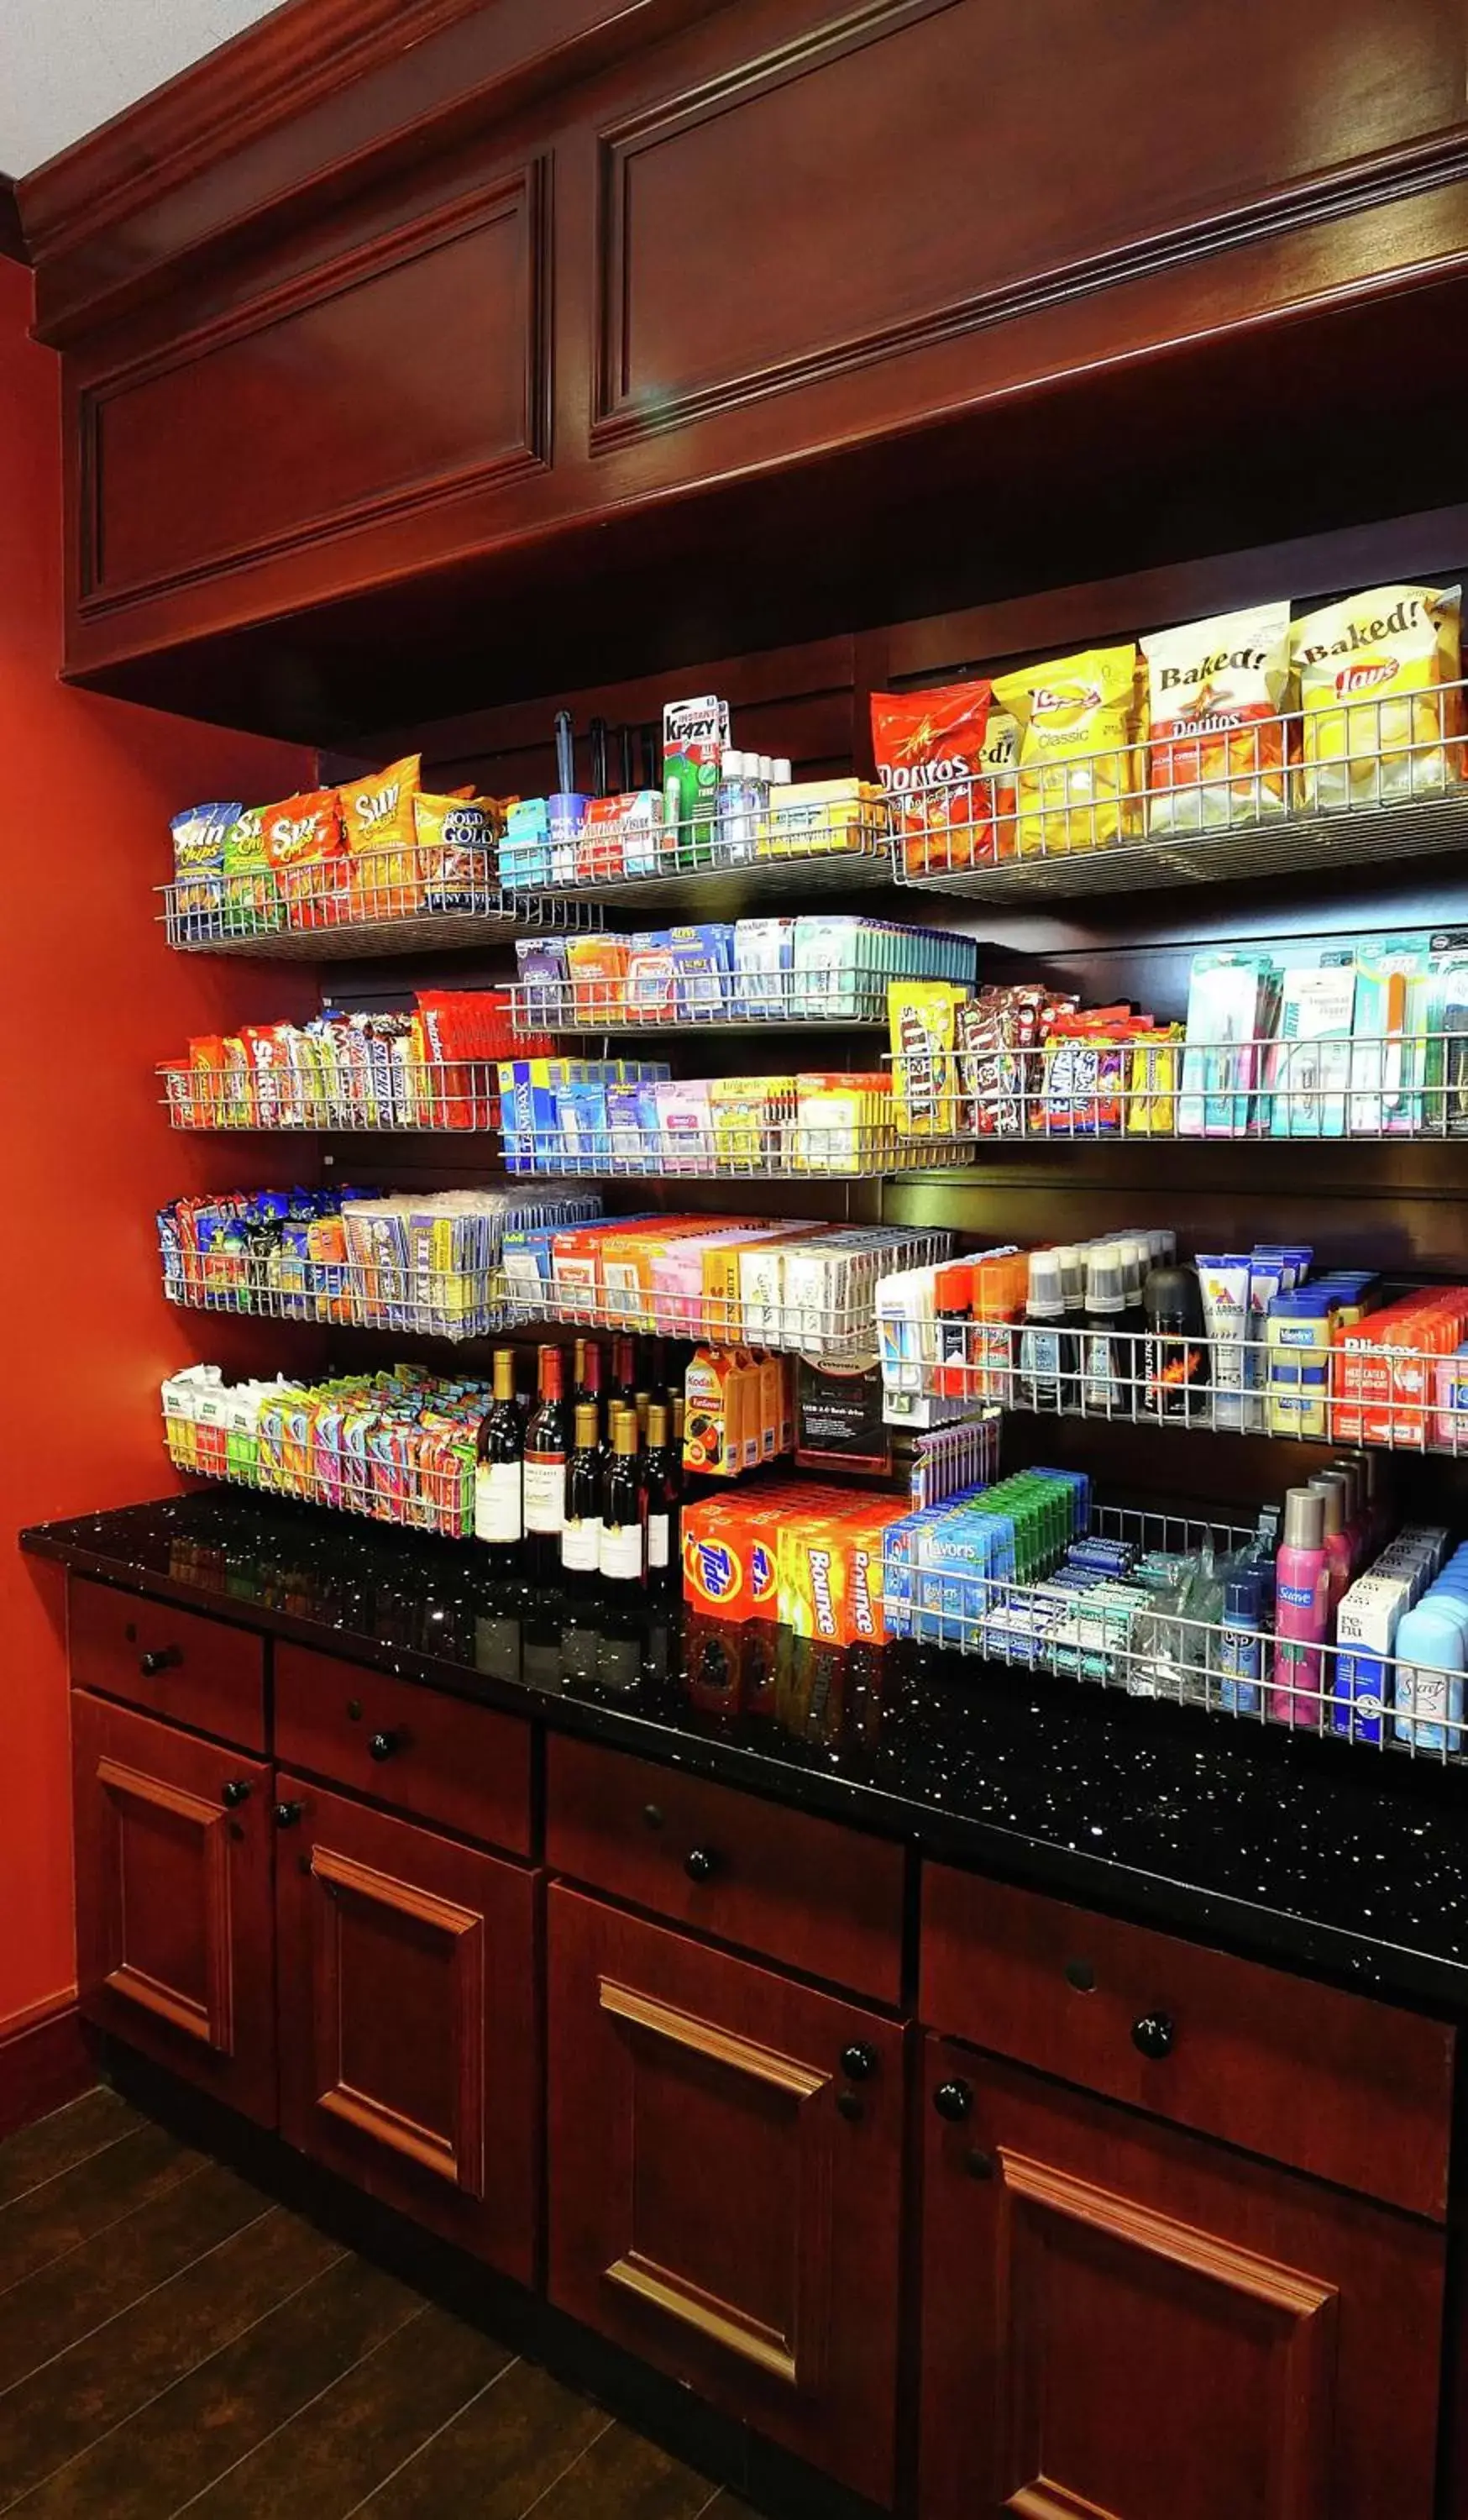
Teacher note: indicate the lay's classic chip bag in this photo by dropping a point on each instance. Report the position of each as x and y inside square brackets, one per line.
[1076, 718]
[1378, 723]
[1215, 739]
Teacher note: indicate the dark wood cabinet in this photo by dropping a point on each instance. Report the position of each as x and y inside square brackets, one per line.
[175, 1925]
[1122, 2319]
[409, 2045]
[725, 2179]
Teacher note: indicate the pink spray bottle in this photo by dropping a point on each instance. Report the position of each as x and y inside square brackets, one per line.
[1340, 1565]
[1302, 1599]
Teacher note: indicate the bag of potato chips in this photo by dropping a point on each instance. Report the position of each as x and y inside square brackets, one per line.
[381, 839]
[1378, 723]
[1216, 691]
[1077, 762]
[930, 748]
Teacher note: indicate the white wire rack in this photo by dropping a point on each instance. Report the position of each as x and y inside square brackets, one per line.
[744, 1147]
[807, 1299]
[366, 1464]
[653, 998]
[1221, 800]
[1402, 1085]
[1297, 1385]
[434, 1303]
[1121, 1635]
[387, 1093]
[823, 846]
[389, 901]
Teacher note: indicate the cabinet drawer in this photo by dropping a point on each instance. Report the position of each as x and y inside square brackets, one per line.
[170, 1662]
[440, 1758]
[1353, 2091]
[807, 1892]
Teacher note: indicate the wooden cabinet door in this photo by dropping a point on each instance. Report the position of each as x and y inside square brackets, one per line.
[725, 2180]
[408, 2019]
[175, 1925]
[1122, 2321]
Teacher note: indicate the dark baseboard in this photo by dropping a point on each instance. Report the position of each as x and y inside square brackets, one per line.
[766, 2477]
[43, 2065]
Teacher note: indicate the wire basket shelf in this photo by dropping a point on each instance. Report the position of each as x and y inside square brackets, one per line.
[839, 998]
[1395, 1087]
[824, 847]
[388, 902]
[745, 1150]
[1107, 1635]
[402, 1475]
[1218, 800]
[399, 1095]
[812, 1301]
[1305, 1389]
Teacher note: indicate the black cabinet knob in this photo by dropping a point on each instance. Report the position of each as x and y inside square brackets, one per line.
[848, 2106]
[1154, 2035]
[382, 1745]
[288, 1813]
[652, 1815]
[234, 1791]
[162, 1658]
[700, 1863]
[954, 2102]
[859, 2061]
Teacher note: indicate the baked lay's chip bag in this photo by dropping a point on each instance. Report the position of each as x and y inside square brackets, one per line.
[1378, 723]
[1077, 723]
[929, 748]
[1215, 739]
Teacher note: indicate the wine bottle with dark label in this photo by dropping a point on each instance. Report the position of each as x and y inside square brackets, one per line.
[622, 1557]
[581, 1531]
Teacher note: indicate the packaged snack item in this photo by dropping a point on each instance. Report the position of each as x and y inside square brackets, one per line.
[929, 752]
[252, 902]
[303, 841]
[1077, 784]
[455, 854]
[377, 812]
[198, 837]
[1378, 723]
[923, 1015]
[999, 760]
[1216, 691]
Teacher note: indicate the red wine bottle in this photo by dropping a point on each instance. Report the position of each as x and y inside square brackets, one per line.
[546, 1450]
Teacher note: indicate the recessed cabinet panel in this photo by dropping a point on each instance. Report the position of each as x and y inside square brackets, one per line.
[173, 1886]
[408, 2019]
[725, 2178]
[916, 167]
[1121, 2319]
[404, 369]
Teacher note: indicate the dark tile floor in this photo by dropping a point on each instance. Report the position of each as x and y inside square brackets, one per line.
[171, 2340]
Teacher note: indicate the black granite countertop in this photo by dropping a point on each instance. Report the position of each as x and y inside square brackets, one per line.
[1321, 1855]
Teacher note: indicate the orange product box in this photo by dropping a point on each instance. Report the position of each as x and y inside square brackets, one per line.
[598, 969]
[730, 1548]
[830, 1572]
[630, 1255]
[717, 1415]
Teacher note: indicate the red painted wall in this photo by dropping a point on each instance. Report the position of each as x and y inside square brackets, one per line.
[90, 1001]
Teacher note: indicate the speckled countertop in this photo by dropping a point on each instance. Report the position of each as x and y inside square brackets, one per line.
[1336, 1860]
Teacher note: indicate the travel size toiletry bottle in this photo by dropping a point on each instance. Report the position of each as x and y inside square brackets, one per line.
[1240, 1654]
[1177, 1358]
[1302, 1591]
[1112, 1338]
[1333, 1486]
[1041, 1345]
[1429, 1652]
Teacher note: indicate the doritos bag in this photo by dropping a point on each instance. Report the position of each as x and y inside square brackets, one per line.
[1216, 749]
[1077, 765]
[929, 752]
[1388, 654]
